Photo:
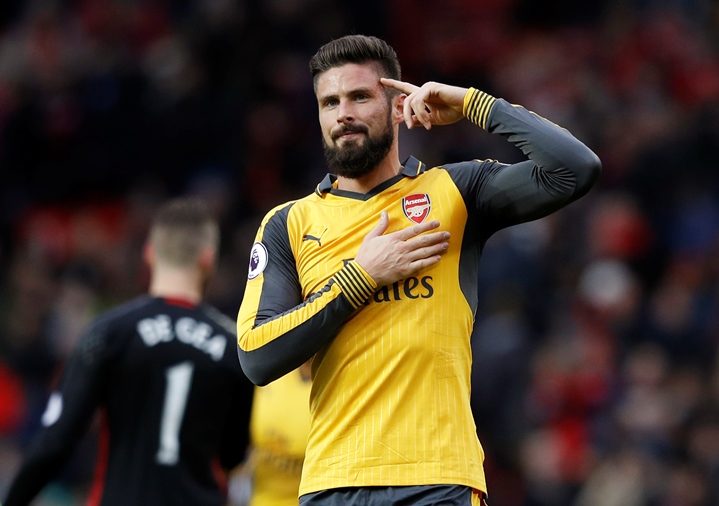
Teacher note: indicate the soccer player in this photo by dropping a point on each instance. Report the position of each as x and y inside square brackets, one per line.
[374, 277]
[163, 372]
[279, 426]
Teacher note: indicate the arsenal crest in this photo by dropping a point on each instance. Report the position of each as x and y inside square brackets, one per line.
[416, 207]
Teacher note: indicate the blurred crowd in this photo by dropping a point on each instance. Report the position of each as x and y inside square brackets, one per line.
[596, 350]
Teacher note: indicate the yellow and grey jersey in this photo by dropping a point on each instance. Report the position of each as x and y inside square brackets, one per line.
[391, 364]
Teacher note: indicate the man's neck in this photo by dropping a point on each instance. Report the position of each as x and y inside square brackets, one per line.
[388, 169]
[176, 284]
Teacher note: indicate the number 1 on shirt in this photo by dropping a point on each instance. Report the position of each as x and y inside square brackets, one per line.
[179, 379]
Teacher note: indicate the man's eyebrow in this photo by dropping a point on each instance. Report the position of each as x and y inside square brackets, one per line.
[354, 91]
[322, 98]
[363, 89]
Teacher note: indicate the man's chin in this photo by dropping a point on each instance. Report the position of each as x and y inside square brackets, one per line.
[357, 157]
[354, 143]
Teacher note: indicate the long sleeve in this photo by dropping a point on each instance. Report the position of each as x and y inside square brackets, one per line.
[280, 325]
[278, 330]
[559, 170]
[66, 419]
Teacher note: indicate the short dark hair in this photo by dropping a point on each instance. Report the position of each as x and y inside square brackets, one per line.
[356, 49]
[181, 229]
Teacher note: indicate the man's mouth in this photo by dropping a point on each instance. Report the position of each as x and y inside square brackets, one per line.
[348, 133]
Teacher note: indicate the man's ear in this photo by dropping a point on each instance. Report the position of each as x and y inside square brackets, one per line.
[148, 254]
[398, 108]
[207, 259]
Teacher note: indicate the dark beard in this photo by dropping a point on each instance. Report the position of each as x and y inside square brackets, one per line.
[354, 160]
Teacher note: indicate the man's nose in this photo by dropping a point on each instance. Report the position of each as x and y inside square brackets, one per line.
[345, 112]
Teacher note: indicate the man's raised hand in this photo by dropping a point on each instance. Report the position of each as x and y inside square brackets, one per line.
[431, 104]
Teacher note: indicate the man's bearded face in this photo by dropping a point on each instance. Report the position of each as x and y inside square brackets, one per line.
[358, 157]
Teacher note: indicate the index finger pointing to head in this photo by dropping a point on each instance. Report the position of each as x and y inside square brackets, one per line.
[399, 85]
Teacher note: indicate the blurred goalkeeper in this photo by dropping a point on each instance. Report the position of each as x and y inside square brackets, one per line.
[162, 371]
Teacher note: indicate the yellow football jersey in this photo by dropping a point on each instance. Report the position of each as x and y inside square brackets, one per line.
[394, 386]
[279, 426]
[390, 397]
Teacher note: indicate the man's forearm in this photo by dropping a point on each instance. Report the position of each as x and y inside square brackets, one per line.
[551, 147]
[277, 345]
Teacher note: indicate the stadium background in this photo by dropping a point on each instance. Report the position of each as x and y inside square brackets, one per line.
[596, 365]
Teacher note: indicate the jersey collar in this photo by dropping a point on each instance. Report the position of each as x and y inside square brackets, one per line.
[179, 301]
[410, 168]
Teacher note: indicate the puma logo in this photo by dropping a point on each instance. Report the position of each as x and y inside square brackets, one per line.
[308, 237]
